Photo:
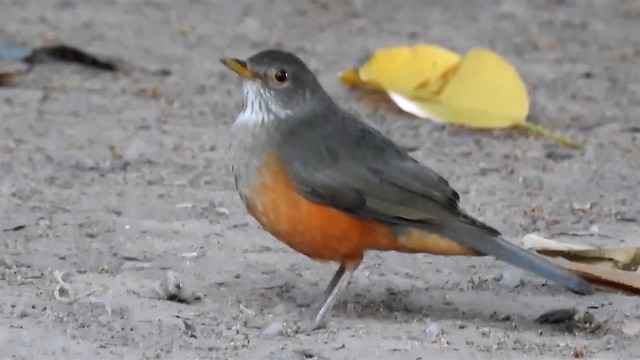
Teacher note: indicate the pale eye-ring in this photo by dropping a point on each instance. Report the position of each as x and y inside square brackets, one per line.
[280, 76]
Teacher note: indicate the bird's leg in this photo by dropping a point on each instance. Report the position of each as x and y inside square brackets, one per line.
[337, 284]
[335, 287]
[332, 284]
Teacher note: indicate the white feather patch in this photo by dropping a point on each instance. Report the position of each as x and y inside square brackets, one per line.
[259, 106]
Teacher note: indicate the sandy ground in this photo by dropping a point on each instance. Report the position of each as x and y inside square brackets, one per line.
[118, 189]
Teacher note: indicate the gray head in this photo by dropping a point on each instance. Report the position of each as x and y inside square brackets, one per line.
[278, 83]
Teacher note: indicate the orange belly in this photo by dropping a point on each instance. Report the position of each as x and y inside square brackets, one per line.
[325, 233]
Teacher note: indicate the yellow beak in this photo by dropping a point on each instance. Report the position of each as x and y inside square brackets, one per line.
[240, 67]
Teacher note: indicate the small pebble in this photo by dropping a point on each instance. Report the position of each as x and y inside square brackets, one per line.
[222, 211]
[173, 290]
[557, 316]
[274, 328]
[42, 222]
[511, 278]
[103, 320]
[486, 332]
[630, 329]
[433, 331]
[582, 206]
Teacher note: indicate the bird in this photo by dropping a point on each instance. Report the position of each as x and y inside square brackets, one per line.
[332, 187]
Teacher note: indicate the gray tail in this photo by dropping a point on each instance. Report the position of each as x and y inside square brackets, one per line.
[490, 244]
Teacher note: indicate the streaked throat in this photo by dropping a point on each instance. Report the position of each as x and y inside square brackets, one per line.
[259, 107]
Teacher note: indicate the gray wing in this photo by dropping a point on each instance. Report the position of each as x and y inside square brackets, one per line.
[349, 165]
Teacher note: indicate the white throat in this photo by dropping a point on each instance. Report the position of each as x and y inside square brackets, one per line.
[258, 108]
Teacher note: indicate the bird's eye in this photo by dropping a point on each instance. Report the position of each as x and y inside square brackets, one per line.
[280, 76]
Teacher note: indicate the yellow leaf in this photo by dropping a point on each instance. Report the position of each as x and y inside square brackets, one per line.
[352, 78]
[402, 68]
[485, 91]
[480, 90]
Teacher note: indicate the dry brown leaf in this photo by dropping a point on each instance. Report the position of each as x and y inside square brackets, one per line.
[614, 268]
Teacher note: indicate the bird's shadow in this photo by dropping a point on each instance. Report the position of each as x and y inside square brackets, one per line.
[414, 305]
